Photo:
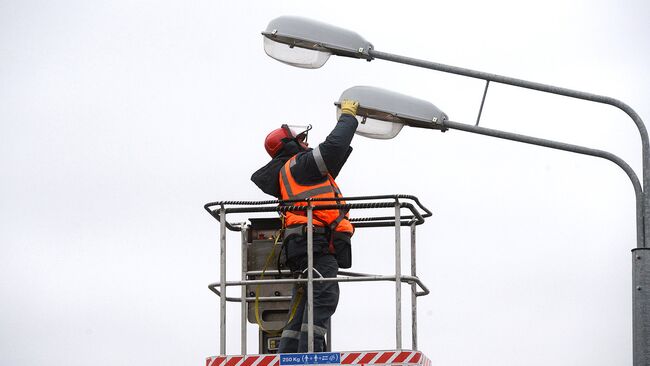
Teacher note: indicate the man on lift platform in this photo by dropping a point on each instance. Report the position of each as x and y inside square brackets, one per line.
[299, 172]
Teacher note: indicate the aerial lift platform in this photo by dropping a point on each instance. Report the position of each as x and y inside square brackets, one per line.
[266, 284]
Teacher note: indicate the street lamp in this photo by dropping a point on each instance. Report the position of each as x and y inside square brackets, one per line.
[299, 34]
[308, 44]
[383, 112]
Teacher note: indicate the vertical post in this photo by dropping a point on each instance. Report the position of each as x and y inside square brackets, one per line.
[414, 298]
[398, 280]
[244, 269]
[222, 282]
[310, 279]
[641, 305]
[478, 119]
[329, 336]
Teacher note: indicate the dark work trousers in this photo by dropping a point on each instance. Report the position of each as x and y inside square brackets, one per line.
[326, 297]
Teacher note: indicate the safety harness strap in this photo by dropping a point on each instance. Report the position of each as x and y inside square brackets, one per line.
[342, 212]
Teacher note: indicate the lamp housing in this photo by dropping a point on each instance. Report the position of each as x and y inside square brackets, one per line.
[307, 43]
[383, 112]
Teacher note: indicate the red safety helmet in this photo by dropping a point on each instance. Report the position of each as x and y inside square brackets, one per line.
[274, 141]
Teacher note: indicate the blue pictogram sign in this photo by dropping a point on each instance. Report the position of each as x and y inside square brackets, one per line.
[324, 358]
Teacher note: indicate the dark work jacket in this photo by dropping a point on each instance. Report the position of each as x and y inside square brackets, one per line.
[335, 151]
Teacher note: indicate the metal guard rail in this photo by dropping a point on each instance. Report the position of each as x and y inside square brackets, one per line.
[285, 205]
[351, 277]
[219, 211]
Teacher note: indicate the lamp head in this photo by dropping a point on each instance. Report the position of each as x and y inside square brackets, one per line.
[308, 43]
[383, 112]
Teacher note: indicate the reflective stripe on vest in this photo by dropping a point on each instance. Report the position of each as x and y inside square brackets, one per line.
[302, 195]
[290, 189]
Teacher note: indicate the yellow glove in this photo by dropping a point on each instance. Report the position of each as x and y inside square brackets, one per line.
[349, 106]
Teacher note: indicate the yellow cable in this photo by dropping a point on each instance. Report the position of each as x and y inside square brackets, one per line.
[294, 308]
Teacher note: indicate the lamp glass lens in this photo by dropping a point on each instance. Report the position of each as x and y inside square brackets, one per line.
[295, 56]
[375, 128]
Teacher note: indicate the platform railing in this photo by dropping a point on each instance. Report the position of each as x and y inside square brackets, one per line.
[219, 210]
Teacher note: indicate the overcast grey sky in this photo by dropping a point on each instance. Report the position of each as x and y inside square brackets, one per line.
[120, 119]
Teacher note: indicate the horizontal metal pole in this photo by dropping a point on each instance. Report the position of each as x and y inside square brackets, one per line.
[285, 205]
[645, 144]
[519, 83]
[571, 148]
[406, 279]
[253, 299]
[403, 278]
[271, 272]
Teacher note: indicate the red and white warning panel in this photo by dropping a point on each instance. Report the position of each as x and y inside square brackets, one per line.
[402, 358]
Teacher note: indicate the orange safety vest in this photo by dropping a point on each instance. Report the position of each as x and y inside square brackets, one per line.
[290, 189]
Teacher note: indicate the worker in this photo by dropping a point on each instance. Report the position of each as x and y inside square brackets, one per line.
[297, 171]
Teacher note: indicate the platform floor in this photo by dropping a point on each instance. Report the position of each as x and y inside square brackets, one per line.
[402, 358]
